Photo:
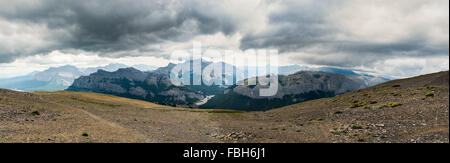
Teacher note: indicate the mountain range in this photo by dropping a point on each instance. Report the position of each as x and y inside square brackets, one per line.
[155, 86]
[58, 78]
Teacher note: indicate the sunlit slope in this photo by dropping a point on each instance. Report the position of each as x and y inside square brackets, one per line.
[91, 117]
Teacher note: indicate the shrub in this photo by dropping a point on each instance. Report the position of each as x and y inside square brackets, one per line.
[338, 112]
[396, 86]
[373, 102]
[85, 135]
[394, 104]
[383, 106]
[429, 94]
[35, 113]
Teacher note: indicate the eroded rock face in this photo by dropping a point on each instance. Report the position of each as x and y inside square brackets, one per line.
[295, 88]
[138, 91]
[303, 82]
[129, 82]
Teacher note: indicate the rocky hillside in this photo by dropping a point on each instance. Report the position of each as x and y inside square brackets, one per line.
[413, 110]
[129, 82]
[366, 78]
[295, 88]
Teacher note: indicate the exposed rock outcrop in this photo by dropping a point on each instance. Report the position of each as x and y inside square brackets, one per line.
[295, 88]
[129, 82]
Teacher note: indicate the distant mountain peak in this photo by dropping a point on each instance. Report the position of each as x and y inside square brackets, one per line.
[128, 69]
[101, 71]
[65, 67]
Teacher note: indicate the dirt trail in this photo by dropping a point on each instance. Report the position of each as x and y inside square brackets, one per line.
[132, 133]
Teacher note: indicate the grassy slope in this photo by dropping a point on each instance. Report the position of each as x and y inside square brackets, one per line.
[352, 117]
[66, 116]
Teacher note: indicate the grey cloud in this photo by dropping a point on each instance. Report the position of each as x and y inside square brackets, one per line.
[304, 28]
[106, 26]
[4, 58]
[117, 28]
[296, 26]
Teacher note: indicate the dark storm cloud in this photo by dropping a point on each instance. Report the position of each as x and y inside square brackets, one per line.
[326, 32]
[114, 25]
[306, 28]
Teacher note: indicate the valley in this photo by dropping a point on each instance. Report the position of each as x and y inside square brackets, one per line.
[157, 86]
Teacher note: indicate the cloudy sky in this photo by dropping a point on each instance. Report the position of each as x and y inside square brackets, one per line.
[397, 38]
